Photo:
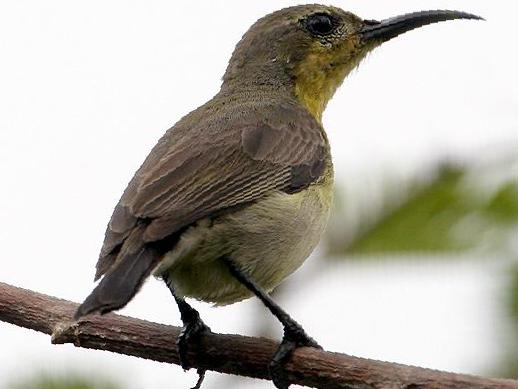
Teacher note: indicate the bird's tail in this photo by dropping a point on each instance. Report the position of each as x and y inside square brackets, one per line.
[122, 281]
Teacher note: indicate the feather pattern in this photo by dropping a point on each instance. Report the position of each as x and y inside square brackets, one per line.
[212, 160]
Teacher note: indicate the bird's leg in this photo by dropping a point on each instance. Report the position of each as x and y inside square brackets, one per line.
[193, 329]
[294, 335]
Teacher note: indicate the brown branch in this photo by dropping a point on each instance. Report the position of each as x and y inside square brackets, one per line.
[232, 354]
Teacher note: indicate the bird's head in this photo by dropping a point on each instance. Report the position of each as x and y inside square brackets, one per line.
[310, 49]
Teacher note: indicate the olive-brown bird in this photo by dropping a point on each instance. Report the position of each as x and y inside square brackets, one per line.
[236, 195]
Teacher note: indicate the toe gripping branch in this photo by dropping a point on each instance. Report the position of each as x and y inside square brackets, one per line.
[294, 335]
[193, 330]
[190, 336]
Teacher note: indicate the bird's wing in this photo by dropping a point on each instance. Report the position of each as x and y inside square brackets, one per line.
[191, 178]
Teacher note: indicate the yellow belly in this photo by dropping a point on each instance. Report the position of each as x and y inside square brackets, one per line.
[269, 240]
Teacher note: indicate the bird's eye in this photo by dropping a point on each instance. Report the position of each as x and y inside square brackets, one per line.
[320, 24]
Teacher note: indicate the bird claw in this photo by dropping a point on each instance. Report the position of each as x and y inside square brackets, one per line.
[294, 337]
[190, 334]
[201, 377]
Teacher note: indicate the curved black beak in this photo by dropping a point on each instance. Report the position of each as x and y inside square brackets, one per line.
[390, 28]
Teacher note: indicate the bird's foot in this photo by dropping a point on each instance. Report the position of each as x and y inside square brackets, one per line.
[294, 337]
[191, 334]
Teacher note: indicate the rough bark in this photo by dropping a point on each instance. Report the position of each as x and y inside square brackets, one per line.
[232, 354]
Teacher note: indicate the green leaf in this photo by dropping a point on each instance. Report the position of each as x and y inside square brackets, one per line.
[504, 204]
[422, 223]
[458, 209]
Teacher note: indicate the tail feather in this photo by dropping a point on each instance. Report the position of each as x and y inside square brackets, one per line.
[123, 280]
[104, 264]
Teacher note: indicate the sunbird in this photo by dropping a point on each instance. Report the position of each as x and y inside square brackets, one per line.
[236, 195]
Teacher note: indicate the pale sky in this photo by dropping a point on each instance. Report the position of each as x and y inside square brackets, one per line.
[87, 88]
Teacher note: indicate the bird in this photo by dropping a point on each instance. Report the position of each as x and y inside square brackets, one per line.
[236, 195]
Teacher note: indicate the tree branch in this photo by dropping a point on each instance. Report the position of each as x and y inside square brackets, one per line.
[232, 354]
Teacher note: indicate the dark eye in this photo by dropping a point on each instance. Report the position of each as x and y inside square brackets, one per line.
[320, 24]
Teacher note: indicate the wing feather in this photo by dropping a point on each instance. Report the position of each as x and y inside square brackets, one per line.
[197, 171]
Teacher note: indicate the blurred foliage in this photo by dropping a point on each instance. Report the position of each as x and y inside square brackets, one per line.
[69, 381]
[422, 223]
[508, 366]
[504, 205]
[450, 211]
[513, 294]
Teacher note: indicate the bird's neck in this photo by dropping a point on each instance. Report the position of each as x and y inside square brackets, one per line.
[309, 84]
[253, 76]
[308, 93]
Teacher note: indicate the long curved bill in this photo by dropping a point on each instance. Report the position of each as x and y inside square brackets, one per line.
[389, 28]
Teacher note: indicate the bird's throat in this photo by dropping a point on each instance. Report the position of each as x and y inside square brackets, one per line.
[315, 85]
[319, 75]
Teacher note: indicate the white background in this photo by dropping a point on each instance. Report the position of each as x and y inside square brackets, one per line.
[86, 89]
